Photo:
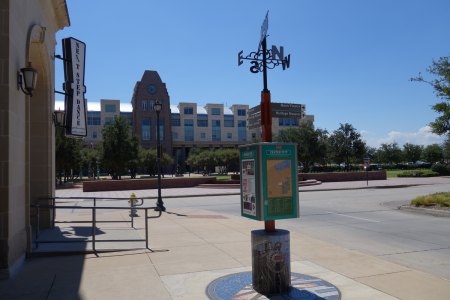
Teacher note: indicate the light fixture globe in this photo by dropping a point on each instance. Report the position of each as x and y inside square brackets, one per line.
[58, 118]
[158, 106]
[28, 77]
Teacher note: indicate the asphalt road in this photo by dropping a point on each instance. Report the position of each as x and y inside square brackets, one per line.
[364, 220]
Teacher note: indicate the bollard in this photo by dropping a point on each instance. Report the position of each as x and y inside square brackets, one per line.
[271, 265]
[133, 202]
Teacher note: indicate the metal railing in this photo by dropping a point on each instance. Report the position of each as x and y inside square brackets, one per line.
[135, 204]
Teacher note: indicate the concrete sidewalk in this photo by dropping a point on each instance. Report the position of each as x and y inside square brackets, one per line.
[188, 252]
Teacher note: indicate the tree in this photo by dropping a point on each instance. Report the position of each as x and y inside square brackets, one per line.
[229, 158]
[90, 158]
[446, 149]
[148, 159]
[311, 143]
[119, 147]
[390, 153]
[346, 145]
[433, 153]
[67, 156]
[441, 85]
[411, 152]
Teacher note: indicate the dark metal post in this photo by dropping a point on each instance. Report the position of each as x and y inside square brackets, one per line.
[54, 211]
[146, 228]
[159, 202]
[94, 225]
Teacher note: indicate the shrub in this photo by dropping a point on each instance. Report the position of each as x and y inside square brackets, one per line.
[442, 169]
[417, 173]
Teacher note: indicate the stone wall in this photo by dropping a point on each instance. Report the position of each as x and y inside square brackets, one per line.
[343, 176]
[141, 184]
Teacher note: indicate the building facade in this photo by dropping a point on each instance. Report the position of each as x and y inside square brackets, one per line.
[213, 126]
[27, 145]
[104, 114]
[146, 92]
[284, 115]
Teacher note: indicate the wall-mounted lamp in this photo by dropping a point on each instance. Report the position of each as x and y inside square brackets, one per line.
[27, 76]
[58, 118]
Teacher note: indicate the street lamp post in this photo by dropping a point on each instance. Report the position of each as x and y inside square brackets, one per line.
[159, 202]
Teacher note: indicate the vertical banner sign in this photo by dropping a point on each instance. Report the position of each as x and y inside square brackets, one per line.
[76, 113]
[249, 171]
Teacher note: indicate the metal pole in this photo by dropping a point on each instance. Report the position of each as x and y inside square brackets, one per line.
[266, 118]
[94, 225]
[54, 211]
[132, 212]
[37, 224]
[159, 203]
[146, 228]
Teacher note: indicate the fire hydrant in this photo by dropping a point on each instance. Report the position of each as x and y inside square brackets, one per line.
[133, 202]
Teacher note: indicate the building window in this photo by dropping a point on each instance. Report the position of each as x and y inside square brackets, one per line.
[175, 120]
[161, 129]
[145, 129]
[241, 112]
[242, 130]
[216, 132]
[110, 108]
[202, 120]
[94, 118]
[94, 134]
[189, 110]
[288, 122]
[174, 135]
[202, 123]
[144, 105]
[188, 130]
[229, 135]
[228, 121]
[215, 111]
[203, 135]
[152, 105]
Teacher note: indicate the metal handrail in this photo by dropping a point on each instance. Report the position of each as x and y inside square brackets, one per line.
[94, 221]
[94, 200]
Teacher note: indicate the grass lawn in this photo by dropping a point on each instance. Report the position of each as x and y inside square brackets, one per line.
[393, 173]
[438, 199]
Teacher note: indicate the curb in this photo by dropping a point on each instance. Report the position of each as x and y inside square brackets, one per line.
[428, 211]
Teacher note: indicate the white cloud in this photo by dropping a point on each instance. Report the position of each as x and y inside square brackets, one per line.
[423, 136]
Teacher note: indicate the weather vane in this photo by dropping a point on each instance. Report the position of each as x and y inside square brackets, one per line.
[264, 58]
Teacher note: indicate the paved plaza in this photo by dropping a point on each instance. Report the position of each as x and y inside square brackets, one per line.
[190, 248]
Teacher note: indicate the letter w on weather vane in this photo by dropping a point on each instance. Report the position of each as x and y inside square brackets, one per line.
[265, 58]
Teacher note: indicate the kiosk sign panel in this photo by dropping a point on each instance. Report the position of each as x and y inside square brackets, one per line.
[280, 184]
[269, 184]
[249, 191]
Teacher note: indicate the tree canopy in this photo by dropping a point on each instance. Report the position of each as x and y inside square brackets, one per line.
[120, 149]
[346, 145]
[440, 70]
[311, 143]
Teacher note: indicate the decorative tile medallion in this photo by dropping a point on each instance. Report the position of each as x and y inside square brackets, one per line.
[239, 287]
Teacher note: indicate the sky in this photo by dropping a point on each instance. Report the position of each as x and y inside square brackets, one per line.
[351, 60]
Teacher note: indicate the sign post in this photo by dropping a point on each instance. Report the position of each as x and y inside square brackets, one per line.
[268, 188]
[269, 192]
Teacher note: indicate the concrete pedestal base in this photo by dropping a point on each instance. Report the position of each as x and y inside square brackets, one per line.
[271, 261]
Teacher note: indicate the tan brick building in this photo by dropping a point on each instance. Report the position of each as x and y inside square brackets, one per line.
[27, 146]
